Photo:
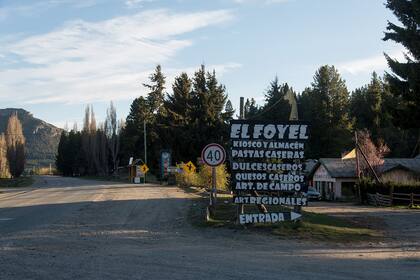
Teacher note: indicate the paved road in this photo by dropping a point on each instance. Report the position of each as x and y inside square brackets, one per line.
[65, 228]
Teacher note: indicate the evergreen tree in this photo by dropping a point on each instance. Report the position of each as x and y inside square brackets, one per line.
[251, 108]
[229, 111]
[61, 160]
[325, 106]
[276, 107]
[366, 107]
[209, 119]
[177, 119]
[145, 110]
[405, 79]
[156, 92]
[132, 143]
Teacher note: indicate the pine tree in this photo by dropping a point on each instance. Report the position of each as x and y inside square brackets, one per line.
[276, 107]
[61, 160]
[156, 92]
[325, 106]
[405, 79]
[366, 107]
[229, 111]
[177, 121]
[251, 108]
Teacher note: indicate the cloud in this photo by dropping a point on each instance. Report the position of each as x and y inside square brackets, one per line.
[267, 2]
[134, 3]
[41, 6]
[97, 61]
[369, 64]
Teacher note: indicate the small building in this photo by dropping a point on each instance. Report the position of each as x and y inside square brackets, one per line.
[335, 178]
[400, 170]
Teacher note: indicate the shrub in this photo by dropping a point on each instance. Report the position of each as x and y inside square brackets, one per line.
[203, 177]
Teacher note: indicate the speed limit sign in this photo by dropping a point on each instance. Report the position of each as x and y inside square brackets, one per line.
[213, 154]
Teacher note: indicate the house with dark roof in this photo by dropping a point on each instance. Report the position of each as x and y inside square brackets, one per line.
[335, 178]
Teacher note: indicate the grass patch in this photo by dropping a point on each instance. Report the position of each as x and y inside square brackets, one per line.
[313, 226]
[16, 182]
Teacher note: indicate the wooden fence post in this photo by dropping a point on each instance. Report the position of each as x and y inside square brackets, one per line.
[412, 200]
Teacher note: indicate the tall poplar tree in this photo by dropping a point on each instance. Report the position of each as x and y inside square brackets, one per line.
[15, 142]
[4, 167]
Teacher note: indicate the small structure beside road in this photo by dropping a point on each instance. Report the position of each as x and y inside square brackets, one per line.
[335, 178]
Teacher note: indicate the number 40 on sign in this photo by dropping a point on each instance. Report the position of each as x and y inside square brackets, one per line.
[213, 155]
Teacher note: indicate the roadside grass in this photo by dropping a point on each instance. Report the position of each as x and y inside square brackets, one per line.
[312, 226]
[16, 182]
[416, 206]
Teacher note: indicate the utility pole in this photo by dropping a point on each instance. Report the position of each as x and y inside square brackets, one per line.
[358, 166]
[241, 108]
[145, 147]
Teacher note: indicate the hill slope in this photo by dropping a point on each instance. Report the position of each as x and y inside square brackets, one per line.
[41, 138]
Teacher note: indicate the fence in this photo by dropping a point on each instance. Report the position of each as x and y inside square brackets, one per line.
[379, 199]
[412, 198]
[388, 200]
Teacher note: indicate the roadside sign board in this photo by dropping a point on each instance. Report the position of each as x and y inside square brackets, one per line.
[213, 155]
[271, 200]
[165, 163]
[265, 218]
[268, 157]
[189, 167]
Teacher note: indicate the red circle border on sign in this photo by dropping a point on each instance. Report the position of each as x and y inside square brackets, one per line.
[211, 145]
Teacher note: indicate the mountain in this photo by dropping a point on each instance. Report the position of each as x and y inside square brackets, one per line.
[41, 137]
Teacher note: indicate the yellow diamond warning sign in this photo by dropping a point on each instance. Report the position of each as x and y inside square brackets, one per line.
[189, 167]
[144, 169]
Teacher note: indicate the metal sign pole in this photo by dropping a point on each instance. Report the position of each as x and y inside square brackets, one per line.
[213, 188]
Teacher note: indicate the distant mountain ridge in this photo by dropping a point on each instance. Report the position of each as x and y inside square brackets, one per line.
[41, 137]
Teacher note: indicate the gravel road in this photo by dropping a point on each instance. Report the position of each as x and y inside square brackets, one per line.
[67, 228]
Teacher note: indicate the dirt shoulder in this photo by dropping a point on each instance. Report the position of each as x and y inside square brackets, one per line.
[398, 225]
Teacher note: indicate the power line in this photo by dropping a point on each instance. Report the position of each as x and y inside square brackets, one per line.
[266, 110]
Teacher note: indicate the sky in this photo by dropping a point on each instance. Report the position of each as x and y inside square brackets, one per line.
[57, 56]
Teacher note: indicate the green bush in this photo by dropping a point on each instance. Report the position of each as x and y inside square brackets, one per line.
[203, 178]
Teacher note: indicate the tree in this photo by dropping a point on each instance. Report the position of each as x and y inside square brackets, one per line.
[15, 142]
[367, 109]
[112, 132]
[374, 153]
[251, 108]
[229, 111]
[177, 119]
[4, 167]
[325, 106]
[405, 79]
[62, 159]
[276, 107]
[156, 92]
[210, 121]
